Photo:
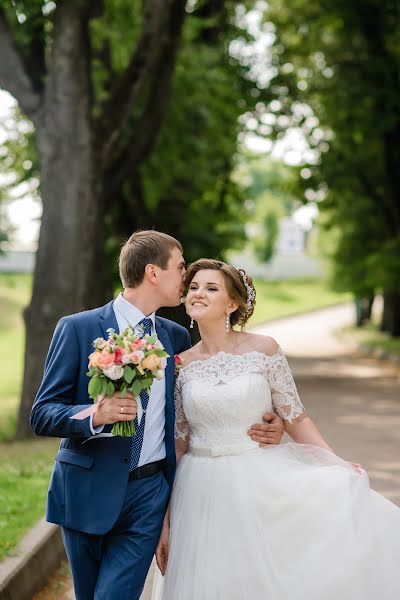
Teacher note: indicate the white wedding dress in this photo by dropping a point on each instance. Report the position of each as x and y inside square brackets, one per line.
[291, 522]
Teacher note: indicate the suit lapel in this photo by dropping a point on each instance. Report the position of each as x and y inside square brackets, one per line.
[169, 390]
[108, 319]
[170, 368]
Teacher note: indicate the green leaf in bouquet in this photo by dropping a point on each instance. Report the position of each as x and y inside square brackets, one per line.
[152, 339]
[129, 374]
[92, 371]
[103, 390]
[119, 341]
[110, 389]
[146, 381]
[123, 389]
[94, 387]
[136, 388]
[161, 353]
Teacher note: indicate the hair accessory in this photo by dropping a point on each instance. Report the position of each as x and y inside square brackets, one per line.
[251, 294]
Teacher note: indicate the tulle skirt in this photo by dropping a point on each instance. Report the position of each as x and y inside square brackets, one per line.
[292, 522]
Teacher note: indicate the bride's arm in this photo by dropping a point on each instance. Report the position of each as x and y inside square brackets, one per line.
[163, 545]
[304, 431]
[287, 404]
[181, 431]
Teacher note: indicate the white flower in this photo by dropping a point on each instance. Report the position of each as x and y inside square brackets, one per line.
[136, 357]
[126, 359]
[160, 374]
[98, 342]
[114, 372]
[163, 362]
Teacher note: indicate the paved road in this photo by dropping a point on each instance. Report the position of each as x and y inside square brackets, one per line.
[354, 401]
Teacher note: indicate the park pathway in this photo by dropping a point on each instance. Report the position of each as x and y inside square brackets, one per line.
[354, 401]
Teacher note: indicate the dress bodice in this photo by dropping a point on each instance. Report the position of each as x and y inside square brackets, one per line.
[219, 398]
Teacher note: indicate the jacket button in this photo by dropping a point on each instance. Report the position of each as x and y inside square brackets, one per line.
[126, 460]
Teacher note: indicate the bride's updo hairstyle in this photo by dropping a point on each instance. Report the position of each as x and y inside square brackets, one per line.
[238, 284]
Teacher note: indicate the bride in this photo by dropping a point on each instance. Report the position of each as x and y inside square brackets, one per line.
[291, 522]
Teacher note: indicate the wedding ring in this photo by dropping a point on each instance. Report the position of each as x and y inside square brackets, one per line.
[122, 409]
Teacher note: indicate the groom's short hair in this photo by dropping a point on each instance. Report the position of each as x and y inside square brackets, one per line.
[141, 249]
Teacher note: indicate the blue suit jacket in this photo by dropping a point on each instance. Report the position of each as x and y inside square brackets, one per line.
[89, 480]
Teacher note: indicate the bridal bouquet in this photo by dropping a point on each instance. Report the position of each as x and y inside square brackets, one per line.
[125, 362]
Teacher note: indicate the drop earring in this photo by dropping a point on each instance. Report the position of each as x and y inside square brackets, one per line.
[191, 322]
[227, 324]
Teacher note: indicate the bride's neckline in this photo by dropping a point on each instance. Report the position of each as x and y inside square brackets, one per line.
[230, 354]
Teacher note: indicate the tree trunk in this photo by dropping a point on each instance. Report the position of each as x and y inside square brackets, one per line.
[391, 313]
[70, 273]
[363, 309]
[67, 278]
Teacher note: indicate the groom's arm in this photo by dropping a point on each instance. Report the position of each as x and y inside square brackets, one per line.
[268, 433]
[56, 399]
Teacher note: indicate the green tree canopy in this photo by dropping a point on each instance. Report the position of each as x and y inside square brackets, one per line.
[336, 76]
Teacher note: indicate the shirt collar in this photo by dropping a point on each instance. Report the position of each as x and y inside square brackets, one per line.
[130, 312]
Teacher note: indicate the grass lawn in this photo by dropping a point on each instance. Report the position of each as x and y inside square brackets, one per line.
[276, 299]
[25, 467]
[370, 337]
[14, 296]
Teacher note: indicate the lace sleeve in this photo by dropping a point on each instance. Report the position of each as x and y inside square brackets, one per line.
[285, 398]
[181, 430]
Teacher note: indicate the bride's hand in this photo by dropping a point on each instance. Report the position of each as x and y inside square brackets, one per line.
[162, 547]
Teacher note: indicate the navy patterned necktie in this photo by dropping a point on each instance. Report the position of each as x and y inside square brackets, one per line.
[137, 440]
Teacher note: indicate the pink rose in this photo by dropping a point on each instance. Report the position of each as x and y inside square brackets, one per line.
[105, 359]
[118, 355]
[93, 359]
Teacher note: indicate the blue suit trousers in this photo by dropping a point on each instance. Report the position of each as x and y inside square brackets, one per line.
[114, 566]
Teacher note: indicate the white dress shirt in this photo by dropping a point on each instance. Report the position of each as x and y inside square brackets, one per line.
[153, 447]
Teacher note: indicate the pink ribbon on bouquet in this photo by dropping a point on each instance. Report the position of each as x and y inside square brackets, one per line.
[86, 412]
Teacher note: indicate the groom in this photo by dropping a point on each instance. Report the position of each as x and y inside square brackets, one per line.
[109, 493]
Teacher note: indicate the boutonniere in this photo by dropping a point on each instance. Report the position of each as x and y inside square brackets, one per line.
[178, 363]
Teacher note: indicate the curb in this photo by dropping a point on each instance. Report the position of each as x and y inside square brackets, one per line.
[37, 557]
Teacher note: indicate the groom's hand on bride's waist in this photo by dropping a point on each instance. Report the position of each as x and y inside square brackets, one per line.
[268, 433]
[115, 409]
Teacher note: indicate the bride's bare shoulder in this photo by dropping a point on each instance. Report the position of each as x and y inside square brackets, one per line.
[260, 343]
[189, 355]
